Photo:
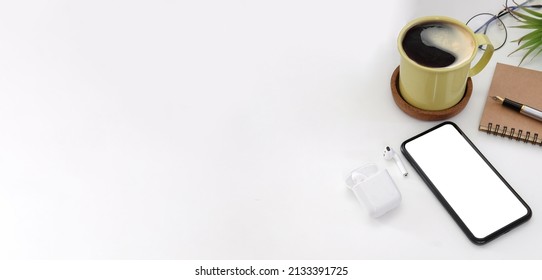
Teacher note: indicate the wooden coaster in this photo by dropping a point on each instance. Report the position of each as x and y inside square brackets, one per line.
[426, 115]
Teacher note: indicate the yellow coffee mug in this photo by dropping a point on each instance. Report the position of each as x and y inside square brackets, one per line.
[429, 87]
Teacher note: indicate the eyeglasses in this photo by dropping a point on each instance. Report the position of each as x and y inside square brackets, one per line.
[492, 24]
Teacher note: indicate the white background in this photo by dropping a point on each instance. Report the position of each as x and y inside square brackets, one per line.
[223, 130]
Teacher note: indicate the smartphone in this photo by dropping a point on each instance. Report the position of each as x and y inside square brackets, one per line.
[477, 197]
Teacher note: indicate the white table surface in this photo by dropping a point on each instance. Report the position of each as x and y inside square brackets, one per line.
[223, 130]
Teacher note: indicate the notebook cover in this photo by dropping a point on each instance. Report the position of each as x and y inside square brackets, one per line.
[521, 85]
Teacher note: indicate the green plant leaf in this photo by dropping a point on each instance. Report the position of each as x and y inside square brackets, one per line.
[536, 46]
[525, 46]
[539, 26]
[536, 34]
[525, 17]
[531, 43]
[531, 11]
[537, 53]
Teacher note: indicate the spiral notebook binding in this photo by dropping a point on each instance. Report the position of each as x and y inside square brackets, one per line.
[525, 136]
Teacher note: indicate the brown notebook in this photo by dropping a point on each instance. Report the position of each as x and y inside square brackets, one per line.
[521, 85]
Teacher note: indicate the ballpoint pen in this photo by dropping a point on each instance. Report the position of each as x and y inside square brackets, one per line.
[522, 108]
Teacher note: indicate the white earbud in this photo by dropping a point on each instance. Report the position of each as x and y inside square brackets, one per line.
[389, 153]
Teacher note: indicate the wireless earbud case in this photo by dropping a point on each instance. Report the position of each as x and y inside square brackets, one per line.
[375, 189]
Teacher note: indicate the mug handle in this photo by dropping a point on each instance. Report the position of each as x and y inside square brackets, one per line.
[482, 39]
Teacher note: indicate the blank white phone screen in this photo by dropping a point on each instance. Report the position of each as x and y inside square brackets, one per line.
[479, 197]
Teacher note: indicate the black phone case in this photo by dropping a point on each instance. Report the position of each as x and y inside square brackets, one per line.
[447, 206]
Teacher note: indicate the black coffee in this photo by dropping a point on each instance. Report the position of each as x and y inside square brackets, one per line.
[438, 44]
